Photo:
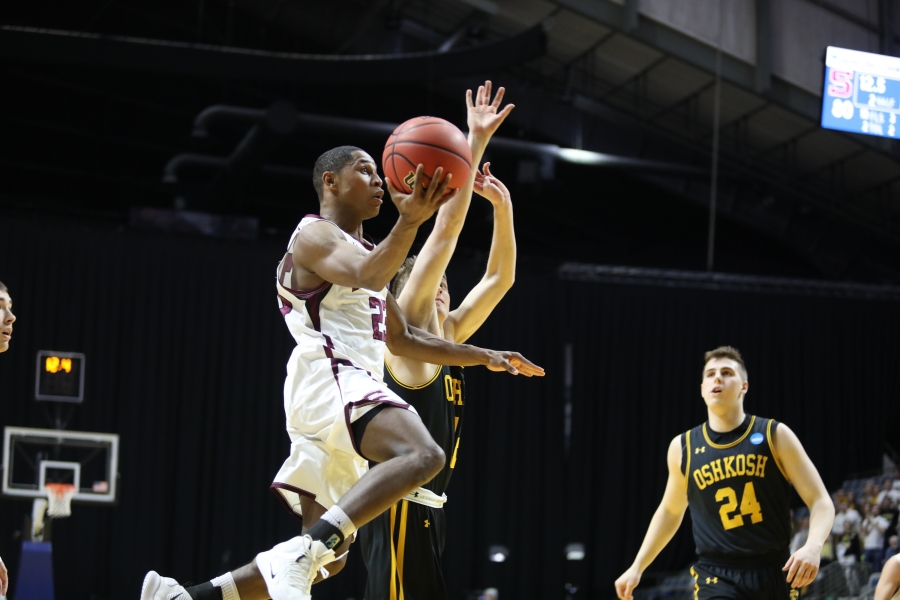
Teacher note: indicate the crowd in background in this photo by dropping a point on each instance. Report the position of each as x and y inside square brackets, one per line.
[865, 523]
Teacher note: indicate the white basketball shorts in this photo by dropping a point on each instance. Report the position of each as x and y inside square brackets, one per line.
[322, 398]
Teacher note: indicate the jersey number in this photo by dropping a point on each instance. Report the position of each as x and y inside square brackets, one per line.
[378, 328]
[749, 506]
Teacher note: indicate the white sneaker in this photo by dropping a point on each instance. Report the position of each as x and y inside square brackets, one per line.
[157, 587]
[290, 568]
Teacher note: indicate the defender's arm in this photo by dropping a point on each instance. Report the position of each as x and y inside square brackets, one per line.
[404, 340]
[501, 268]
[889, 582]
[417, 299]
[663, 525]
[803, 565]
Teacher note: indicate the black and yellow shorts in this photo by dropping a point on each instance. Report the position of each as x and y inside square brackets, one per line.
[402, 550]
[716, 582]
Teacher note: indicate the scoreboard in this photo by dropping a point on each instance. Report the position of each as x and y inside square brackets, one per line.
[60, 376]
[862, 92]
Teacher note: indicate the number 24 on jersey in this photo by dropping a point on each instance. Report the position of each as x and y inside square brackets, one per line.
[749, 506]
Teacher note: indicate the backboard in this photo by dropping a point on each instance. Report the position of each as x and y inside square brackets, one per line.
[33, 457]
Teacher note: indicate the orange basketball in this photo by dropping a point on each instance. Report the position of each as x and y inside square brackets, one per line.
[431, 142]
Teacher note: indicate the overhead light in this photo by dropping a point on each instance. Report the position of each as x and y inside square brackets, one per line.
[586, 157]
[575, 551]
[498, 553]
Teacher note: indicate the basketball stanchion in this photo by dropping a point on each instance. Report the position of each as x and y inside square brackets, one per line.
[35, 579]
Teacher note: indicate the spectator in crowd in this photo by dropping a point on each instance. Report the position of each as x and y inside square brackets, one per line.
[799, 539]
[891, 513]
[896, 478]
[893, 547]
[845, 513]
[848, 549]
[868, 496]
[872, 529]
[888, 491]
[842, 495]
[7, 318]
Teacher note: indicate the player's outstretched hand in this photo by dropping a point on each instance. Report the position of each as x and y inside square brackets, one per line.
[484, 116]
[4, 579]
[626, 583]
[802, 567]
[417, 207]
[513, 362]
[489, 187]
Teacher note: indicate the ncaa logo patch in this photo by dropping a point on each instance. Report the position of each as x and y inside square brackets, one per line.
[756, 439]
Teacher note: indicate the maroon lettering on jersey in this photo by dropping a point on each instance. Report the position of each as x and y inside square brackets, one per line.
[379, 329]
[284, 305]
[285, 270]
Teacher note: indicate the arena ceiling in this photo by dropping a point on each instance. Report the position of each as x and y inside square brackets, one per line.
[103, 95]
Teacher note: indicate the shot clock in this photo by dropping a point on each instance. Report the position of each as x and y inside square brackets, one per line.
[60, 376]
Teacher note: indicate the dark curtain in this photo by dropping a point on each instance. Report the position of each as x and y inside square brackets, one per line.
[185, 360]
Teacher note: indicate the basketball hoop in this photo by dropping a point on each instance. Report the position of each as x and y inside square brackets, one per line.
[60, 498]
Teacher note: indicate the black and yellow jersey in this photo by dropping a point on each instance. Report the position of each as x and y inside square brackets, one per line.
[439, 403]
[738, 493]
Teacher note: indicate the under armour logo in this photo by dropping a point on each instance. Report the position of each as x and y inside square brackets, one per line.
[415, 494]
[427, 523]
[712, 580]
[700, 449]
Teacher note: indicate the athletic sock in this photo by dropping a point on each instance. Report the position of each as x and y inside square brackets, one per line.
[226, 584]
[220, 588]
[333, 528]
[204, 591]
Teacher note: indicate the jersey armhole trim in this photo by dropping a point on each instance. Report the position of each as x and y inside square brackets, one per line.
[413, 387]
[772, 448]
[735, 442]
[687, 467]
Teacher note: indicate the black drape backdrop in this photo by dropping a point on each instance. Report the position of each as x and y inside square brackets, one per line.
[186, 354]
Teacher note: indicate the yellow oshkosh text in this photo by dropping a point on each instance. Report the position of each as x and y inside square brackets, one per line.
[730, 466]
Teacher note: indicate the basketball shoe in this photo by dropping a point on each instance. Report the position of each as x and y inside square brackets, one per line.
[290, 568]
[157, 587]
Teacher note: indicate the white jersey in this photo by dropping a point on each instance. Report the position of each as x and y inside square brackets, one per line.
[334, 322]
[334, 377]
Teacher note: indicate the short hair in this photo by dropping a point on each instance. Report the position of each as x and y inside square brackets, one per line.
[3, 288]
[402, 276]
[334, 160]
[726, 352]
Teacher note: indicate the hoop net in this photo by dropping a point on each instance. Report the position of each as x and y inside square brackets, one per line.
[59, 496]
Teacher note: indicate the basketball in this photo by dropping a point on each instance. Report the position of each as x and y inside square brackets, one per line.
[431, 142]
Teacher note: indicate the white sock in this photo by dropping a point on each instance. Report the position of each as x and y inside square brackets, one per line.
[229, 589]
[339, 519]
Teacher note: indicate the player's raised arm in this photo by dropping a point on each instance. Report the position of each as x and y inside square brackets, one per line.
[501, 268]
[663, 525]
[404, 340]
[322, 250]
[803, 565]
[417, 300]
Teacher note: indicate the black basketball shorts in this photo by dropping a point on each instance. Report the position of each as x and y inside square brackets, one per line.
[715, 582]
[402, 550]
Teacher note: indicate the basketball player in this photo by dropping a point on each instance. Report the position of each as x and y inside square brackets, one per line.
[332, 292]
[889, 582]
[735, 473]
[7, 318]
[402, 547]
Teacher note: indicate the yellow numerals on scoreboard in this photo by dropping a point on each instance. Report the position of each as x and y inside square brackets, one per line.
[55, 364]
[749, 506]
